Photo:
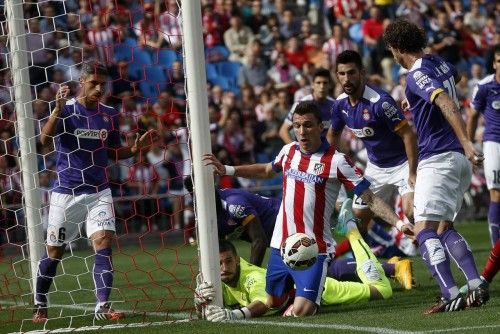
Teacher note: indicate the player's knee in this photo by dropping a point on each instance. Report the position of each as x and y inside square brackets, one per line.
[303, 307]
[381, 290]
[55, 252]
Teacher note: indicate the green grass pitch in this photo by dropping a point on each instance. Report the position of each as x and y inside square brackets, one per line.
[154, 282]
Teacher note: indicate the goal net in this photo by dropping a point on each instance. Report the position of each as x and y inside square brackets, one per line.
[154, 261]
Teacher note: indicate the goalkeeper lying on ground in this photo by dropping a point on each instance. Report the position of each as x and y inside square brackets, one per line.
[243, 287]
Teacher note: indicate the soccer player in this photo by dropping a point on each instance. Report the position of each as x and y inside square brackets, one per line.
[312, 173]
[320, 87]
[244, 292]
[443, 173]
[85, 133]
[374, 117]
[486, 100]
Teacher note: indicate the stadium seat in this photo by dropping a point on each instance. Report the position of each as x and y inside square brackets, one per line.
[228, 69]
[211, 71]
[155, 75]
[216, 53]
[167, 57]
[142, 57]
[220, 81]
[148, 91]
[123, 52]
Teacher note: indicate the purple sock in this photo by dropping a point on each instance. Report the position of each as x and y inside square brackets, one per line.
[379, 234]
[343, 270]
[103, 274]
[437, 261]
[47, 268]
[494, 221]
[459, 250]
[389, 269]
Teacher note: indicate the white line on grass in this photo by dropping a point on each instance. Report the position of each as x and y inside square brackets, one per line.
[379, 330]
[177, 315]
[459, 329]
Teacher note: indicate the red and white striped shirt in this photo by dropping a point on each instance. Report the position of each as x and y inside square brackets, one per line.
[311, 183]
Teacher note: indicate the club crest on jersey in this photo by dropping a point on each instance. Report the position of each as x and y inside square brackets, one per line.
[366, 115]
[237, 211]
[101, 134]
[105, 118]
[318, 168]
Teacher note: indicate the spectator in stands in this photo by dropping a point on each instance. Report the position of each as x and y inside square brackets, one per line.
[445, 41]
[468, 46]
[413, 11]
[337, 43]
[169, 25]
[254, 73]
[176, 85]
[373, 27]
[289, 26]
[283, 74]
[236, 38]
[346, 13]
[294, 52]
[269, 34]
[256, 19]
[474, 18]
[146, 29]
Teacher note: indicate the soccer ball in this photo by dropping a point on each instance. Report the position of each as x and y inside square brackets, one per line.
[299, 251]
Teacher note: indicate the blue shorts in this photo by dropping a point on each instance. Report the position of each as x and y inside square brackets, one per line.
[309, 283]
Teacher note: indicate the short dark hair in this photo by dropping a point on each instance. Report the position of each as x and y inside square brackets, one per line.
[496, 48]
[323, 73]
[405, 36]
[347, 57]
[225, 246]
[93, 67]
[308, 107]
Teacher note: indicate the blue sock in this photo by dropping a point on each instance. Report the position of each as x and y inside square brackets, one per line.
[103, 274]
[47, 268]
[494, 221]
[437, 262]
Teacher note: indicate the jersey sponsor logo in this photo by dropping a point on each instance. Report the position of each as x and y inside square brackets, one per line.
[421, 79]
[364, 132]
[390, 111]
[101, 134]
[495, 105]
[238, 211]
[436, 251]
[304, 177]
[366, 115]
[318, 168]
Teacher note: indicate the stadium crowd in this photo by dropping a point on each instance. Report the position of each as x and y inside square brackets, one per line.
[260, 58]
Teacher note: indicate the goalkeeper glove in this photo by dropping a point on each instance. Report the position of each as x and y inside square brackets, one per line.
[216, 313]
[203, 294]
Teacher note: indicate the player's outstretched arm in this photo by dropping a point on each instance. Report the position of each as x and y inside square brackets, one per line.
[50, 127]
[384, 211]
[453, 116]
[258, 171]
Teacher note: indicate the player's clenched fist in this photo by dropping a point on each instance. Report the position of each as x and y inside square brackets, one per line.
[62, 97]
[204, 294]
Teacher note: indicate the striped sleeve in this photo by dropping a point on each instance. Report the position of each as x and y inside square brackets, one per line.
[350, 176]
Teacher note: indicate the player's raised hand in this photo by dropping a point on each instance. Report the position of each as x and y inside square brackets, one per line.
[61, 97]
[211, 160]
[145, 140]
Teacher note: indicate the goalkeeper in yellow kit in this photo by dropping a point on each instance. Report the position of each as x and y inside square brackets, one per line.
[243, 289]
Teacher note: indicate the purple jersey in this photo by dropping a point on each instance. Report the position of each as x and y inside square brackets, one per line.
[82, 139]
[486, 99]
[373, 120]
[324, 106]
[428, 77]
[240, 207]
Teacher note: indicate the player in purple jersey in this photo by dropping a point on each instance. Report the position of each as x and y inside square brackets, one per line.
[486, 100]
[321, 85]
[443, 173]
[85, 133]
[374, 117]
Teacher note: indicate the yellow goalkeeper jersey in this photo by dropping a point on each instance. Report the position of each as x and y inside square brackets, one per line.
[251, 286]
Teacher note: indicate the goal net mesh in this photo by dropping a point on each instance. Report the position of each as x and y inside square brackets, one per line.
[154, 263]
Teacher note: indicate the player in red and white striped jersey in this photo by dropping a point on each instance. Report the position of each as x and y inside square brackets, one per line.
[312, 174]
